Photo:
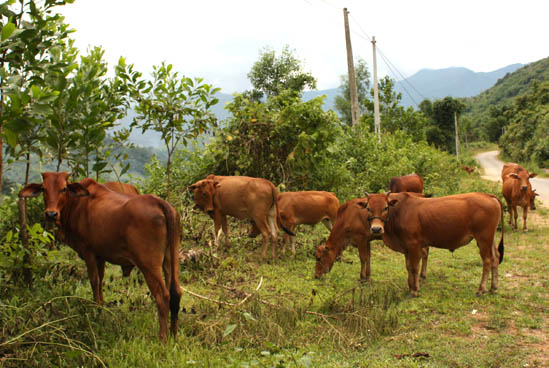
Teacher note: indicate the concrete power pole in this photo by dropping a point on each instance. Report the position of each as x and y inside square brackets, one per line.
[377, 118]
[457, 134]
[355, 109]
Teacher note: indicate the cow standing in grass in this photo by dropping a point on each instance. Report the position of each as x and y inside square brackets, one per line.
[409, 223]
[242, 197]
[105, 226]
[518, 192]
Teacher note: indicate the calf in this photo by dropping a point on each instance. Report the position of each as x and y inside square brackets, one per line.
[518, 191]
[104, 226]
[409, 223]
[242, 197]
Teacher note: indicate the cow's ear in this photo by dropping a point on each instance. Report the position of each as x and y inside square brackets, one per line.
[533, 175]
[513, 175]
[362, 204]
[192, 187]
[76, 189]
[393, 202]
[216, 183]
[31, 190]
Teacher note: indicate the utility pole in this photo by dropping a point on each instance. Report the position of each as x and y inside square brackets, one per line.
[457, 134]
[377, 118]
[355, 109]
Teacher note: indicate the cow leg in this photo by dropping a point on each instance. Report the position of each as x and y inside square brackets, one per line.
[510, 209]
[364, 254]
[515, 216]
[524, 217]
[160, 294]
[288, 238]
[412, 265]
[225, 229]
[101, 274]
[488, 264]
[424, 257]
[93, 275]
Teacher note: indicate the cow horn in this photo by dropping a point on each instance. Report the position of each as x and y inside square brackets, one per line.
[366, 194]
[387, 194]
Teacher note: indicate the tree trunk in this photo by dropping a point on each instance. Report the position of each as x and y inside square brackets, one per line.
[169, 177]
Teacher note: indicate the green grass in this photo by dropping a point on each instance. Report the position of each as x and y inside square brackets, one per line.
[291, 319]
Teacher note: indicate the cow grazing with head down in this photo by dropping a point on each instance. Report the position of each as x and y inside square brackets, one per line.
[242, 197]
[518, 191]
[104, 226]
[350, 226]
[409, 223]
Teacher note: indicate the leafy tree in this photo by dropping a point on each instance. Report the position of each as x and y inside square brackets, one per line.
[29, 32]
[526, 138]
[272, 75]
[440, 129]
[177, 107]
[283, 139]
[343, 101]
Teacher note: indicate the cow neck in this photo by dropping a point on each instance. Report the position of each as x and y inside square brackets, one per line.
[68, 210]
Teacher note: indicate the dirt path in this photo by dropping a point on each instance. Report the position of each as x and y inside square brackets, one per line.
[492, 171]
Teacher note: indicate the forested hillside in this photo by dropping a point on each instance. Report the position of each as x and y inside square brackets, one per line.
[514, 113]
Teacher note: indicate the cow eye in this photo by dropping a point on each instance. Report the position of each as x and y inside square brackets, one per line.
[386, 209]
[63, 190]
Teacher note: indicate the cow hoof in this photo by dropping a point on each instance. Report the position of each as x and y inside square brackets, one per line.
[364, 280]
[413, 294]
[480, 292]
[423, 277]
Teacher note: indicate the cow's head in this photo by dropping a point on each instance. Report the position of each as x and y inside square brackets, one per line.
[524, 178]
[378, 207]
[532, 200]
[204, 193]
[55, 187]
[325, 258]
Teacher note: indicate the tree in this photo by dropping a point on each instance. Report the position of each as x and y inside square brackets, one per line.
[271, 75]
[28, 35]
[343, 101]
[177, 107]
[440, 129]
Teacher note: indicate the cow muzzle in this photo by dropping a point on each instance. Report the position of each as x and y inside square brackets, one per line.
[51, 215]
[524, 188]
[210, 211]
[376, 229]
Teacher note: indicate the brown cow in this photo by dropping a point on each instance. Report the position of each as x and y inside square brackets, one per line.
[241, 197]
[298, 208]
[468, 169]
[309, 208]
[123, 188]
[411, 183]
[350, 226]
[104, 226]
[409, 223]
[517, 191]
[407, 183]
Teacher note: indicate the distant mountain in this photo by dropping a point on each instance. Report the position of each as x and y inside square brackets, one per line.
[427, 83]
[454, 82]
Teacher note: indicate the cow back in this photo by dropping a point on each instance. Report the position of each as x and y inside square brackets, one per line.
[308, 207]
[406, 183]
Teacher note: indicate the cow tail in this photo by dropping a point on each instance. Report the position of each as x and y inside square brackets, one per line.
[278, 219]
[173, 231]
[501, 248]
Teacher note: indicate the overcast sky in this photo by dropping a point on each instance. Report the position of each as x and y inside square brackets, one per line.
[220, 40]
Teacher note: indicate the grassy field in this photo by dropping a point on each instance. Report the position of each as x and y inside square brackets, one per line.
[246, 312]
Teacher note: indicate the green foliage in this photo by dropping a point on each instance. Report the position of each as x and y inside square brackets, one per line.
[440, 128]
[178, 108]
[488, 110]
[271, 75]
[14, 256]
[526, 138]
[284, 140]
[343, 101]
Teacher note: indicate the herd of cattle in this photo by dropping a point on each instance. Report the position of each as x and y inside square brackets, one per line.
[113, 223]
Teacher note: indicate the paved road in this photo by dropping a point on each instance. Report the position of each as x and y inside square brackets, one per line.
[492, 171]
